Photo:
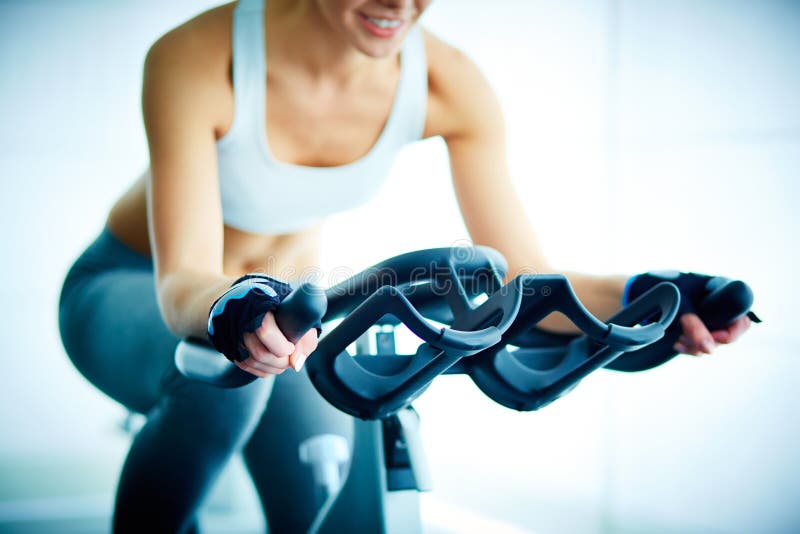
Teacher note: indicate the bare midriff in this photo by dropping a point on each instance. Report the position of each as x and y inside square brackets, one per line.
[277, 255]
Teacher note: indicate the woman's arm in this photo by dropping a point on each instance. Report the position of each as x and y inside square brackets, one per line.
[185, 217]
[471, 123]
[180, 99]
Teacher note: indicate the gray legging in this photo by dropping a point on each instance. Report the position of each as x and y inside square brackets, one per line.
[112, 330]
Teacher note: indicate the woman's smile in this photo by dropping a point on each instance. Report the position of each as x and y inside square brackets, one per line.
[385, 28]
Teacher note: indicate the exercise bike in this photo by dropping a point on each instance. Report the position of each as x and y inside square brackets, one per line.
[468, 322]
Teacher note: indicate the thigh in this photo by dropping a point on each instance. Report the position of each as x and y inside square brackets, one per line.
[177, 456]
[113, 331]
[295, 412]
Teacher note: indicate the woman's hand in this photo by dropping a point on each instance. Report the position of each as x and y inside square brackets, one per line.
[271, 353]
[697, 339]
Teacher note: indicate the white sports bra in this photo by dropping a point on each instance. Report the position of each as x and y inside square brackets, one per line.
[265, 196]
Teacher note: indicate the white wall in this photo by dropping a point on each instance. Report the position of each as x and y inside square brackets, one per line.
[709, 128]
[641, 135]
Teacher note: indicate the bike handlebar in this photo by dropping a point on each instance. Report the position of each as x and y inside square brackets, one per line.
[481, 265]
[478, 339]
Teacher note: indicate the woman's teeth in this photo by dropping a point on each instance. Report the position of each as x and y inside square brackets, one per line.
[384, 23]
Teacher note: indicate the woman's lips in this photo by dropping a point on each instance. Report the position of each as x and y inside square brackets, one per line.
[377, 31]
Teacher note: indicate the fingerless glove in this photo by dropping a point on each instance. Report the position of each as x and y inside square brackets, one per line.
[241, 309]
[694, 289]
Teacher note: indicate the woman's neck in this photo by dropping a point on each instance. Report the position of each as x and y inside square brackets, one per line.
[303, 43]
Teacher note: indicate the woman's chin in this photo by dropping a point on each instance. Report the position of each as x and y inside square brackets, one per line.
[377, 50]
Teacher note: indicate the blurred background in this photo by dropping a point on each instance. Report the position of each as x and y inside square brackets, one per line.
[642, 134]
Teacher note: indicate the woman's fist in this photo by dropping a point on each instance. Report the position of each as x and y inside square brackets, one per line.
[697, 339]
[270, 353]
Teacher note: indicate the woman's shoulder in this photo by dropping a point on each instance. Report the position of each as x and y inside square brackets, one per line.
[191, 65]
[459, 95]
[199, 41]
[440, 53]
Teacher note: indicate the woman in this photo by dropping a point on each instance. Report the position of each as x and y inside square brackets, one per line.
[261, 120]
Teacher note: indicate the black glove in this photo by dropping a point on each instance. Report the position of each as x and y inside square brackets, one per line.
[716, 300]
[241, 309]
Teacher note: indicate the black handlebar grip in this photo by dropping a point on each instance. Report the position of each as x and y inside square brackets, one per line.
[727, 301]
[301, 311]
